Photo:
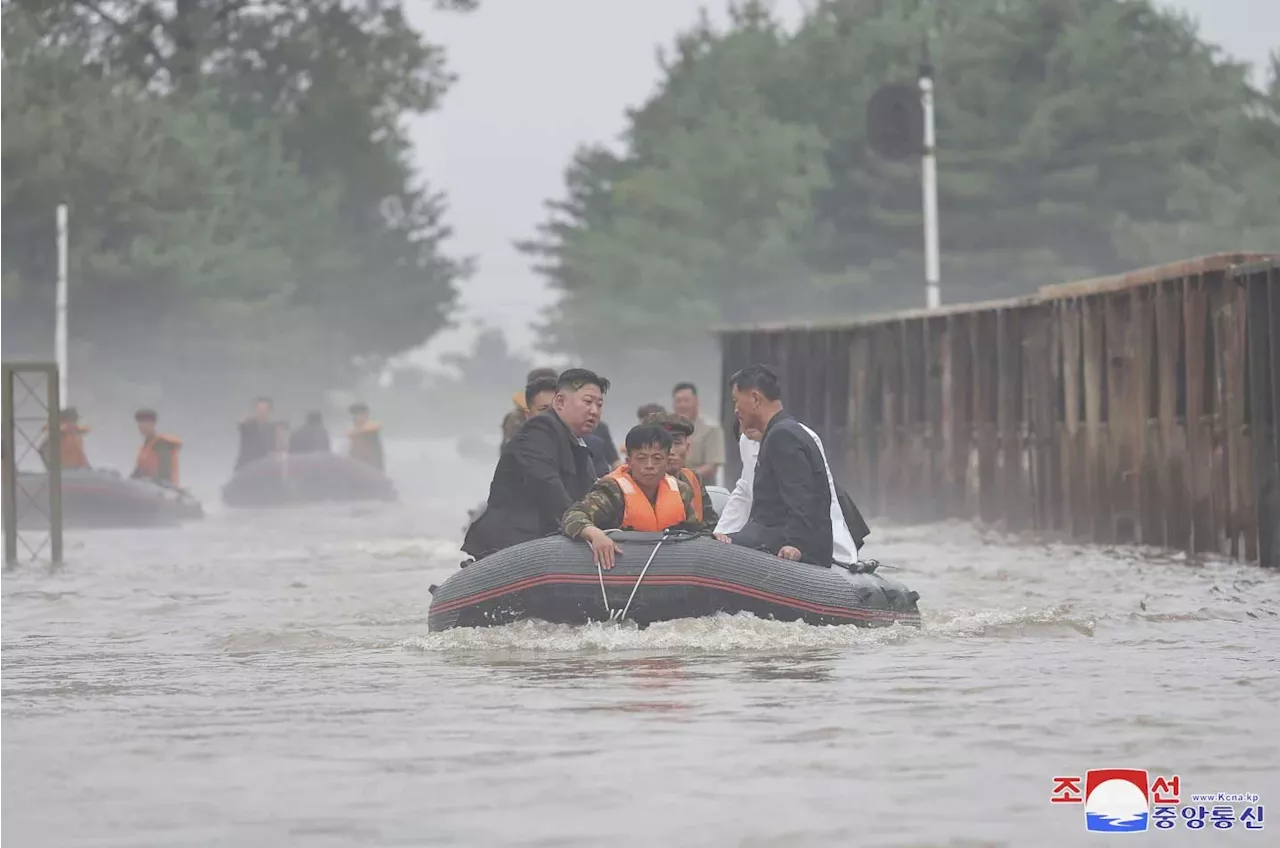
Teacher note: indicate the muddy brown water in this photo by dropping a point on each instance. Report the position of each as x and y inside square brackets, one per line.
[269, 680]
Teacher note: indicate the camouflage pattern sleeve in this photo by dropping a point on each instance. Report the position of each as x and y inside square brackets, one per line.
[709, 517]
[686, 495]
[602, 507]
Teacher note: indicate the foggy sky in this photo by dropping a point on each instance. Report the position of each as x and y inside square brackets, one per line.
[537, 78]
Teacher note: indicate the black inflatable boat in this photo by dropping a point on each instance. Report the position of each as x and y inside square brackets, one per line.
[300, 478]
[103, 498]
[660, 578]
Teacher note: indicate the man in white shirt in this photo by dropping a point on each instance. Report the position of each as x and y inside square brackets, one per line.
[734, 516]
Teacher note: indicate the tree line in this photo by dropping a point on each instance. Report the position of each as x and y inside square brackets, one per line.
[241, 192]
[1075, 139]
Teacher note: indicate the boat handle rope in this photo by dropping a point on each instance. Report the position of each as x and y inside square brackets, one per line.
[639, 579]
[617, 616]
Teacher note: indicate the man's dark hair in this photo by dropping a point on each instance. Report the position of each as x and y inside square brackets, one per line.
[575, 378]
[647, 435]
[537, 386]
[145, 415]
[315, 418]
[539, 373]
[356, 408]
[759, 378]
[70, 414]
[680, 387]
[645, 410]
[264, 399]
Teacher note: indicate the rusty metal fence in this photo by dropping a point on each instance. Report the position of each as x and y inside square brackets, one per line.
[32, 477]
[1134, 409]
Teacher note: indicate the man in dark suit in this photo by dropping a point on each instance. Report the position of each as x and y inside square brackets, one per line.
[795, 509]
[543, 470]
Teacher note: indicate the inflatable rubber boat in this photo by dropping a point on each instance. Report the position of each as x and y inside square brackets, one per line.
[94, 497]
[659, 578]
[300, 478]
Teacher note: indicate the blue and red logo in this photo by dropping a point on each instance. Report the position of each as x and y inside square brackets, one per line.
[1116, 800]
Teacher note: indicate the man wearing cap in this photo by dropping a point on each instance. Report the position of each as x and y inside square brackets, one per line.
[681, 431]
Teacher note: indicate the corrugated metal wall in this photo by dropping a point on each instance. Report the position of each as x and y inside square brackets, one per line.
[1133, 409]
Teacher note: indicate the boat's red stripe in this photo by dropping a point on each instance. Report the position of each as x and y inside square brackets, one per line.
[675, 580]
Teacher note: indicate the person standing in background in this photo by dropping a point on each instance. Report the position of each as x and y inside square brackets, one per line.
[257, 433]
[158, 457]
[515, 417]
[365, 436]
[311, 437]
[706, 452]
[647, 410]
[70, 441]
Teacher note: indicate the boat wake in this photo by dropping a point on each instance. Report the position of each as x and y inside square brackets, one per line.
[741, 633]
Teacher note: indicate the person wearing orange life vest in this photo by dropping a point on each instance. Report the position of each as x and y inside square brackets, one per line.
[70, 440]
[681, 431]
[640, 495]
[365, 436]
[158, 457]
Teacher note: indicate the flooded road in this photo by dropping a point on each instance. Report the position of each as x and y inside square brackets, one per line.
[269, 680]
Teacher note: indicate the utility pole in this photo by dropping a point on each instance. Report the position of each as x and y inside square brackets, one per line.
[60, 327]
[929, 184]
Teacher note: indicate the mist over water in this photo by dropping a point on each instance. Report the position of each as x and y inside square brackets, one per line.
[269, 679]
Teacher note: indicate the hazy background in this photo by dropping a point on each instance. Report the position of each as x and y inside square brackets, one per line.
[203, 274]
[537, 79]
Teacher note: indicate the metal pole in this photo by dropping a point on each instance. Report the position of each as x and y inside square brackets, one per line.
[929, 171]
[60, 331]
[54, 463]
[7, 431]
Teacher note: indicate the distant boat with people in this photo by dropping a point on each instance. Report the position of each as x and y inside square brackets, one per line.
[283, 479]
[99, 497]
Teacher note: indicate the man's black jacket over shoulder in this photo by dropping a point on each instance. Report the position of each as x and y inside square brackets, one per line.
[791, 498]
[541, 472]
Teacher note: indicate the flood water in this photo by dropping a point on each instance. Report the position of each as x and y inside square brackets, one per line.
[269, 680]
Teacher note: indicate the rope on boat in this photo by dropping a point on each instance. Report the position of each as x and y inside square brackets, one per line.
[636, 587]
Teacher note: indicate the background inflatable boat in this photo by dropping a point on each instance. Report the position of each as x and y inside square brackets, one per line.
[104, 498]
[299, 478]
[555, 579]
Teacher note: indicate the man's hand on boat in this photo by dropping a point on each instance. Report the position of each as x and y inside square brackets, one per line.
[788, 552]
[722, 537]
[603, 549]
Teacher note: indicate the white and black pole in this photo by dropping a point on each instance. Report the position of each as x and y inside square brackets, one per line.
[60, 304]
[929, 180]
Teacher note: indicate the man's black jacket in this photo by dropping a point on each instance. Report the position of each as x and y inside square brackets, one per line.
[791, 499]
[541, 472]
[257, 439]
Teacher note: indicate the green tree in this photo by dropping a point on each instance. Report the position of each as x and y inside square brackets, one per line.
[176, 213]
[326, 85]
[1071, 137]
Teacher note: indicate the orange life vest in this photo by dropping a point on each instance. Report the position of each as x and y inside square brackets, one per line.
[149, 465]
[72, 445]
[638, 513]
[695, 483]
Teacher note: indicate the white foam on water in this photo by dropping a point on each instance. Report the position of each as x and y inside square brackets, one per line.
[741, 632]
